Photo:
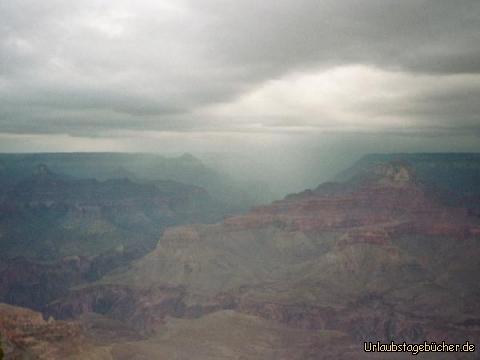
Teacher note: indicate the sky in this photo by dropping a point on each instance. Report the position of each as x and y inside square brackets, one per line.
[277, 80]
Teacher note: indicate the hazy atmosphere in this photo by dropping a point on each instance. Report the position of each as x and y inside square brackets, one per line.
[284, 82]
[239, 179]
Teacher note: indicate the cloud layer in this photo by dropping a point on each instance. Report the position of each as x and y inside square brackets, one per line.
[106, 68]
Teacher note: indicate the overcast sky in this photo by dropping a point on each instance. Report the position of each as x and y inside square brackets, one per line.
[219, 75]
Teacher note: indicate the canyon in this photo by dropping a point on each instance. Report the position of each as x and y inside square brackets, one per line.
[382, 255]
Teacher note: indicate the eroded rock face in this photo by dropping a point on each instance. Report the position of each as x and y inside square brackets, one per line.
[376, 259]
[390, 201]
[143, 310]
[34, 284]
[48, 216]
[26, 335]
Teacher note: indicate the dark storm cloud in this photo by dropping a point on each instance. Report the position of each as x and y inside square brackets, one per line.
[99, 66]
[417, 35]
[459, 107]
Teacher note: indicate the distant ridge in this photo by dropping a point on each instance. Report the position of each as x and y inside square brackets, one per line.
[184, 168]
[457, 173]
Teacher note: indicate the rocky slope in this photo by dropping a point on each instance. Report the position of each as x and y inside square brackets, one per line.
[26, 335]
[57, 231]
[48, 216]
[455, 176]
[380, 257]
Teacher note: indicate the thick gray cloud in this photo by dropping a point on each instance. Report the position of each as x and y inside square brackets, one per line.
[418, 35]
[97, 68]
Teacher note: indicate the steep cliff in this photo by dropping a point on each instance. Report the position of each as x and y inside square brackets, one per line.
[379, 258]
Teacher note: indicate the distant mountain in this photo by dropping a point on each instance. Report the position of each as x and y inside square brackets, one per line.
[102, 166]
[136, 167]
[59, 229]
[379, 257]
[457, 174]
[48, 216]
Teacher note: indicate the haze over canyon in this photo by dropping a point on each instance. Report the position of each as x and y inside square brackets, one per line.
[216, 180]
